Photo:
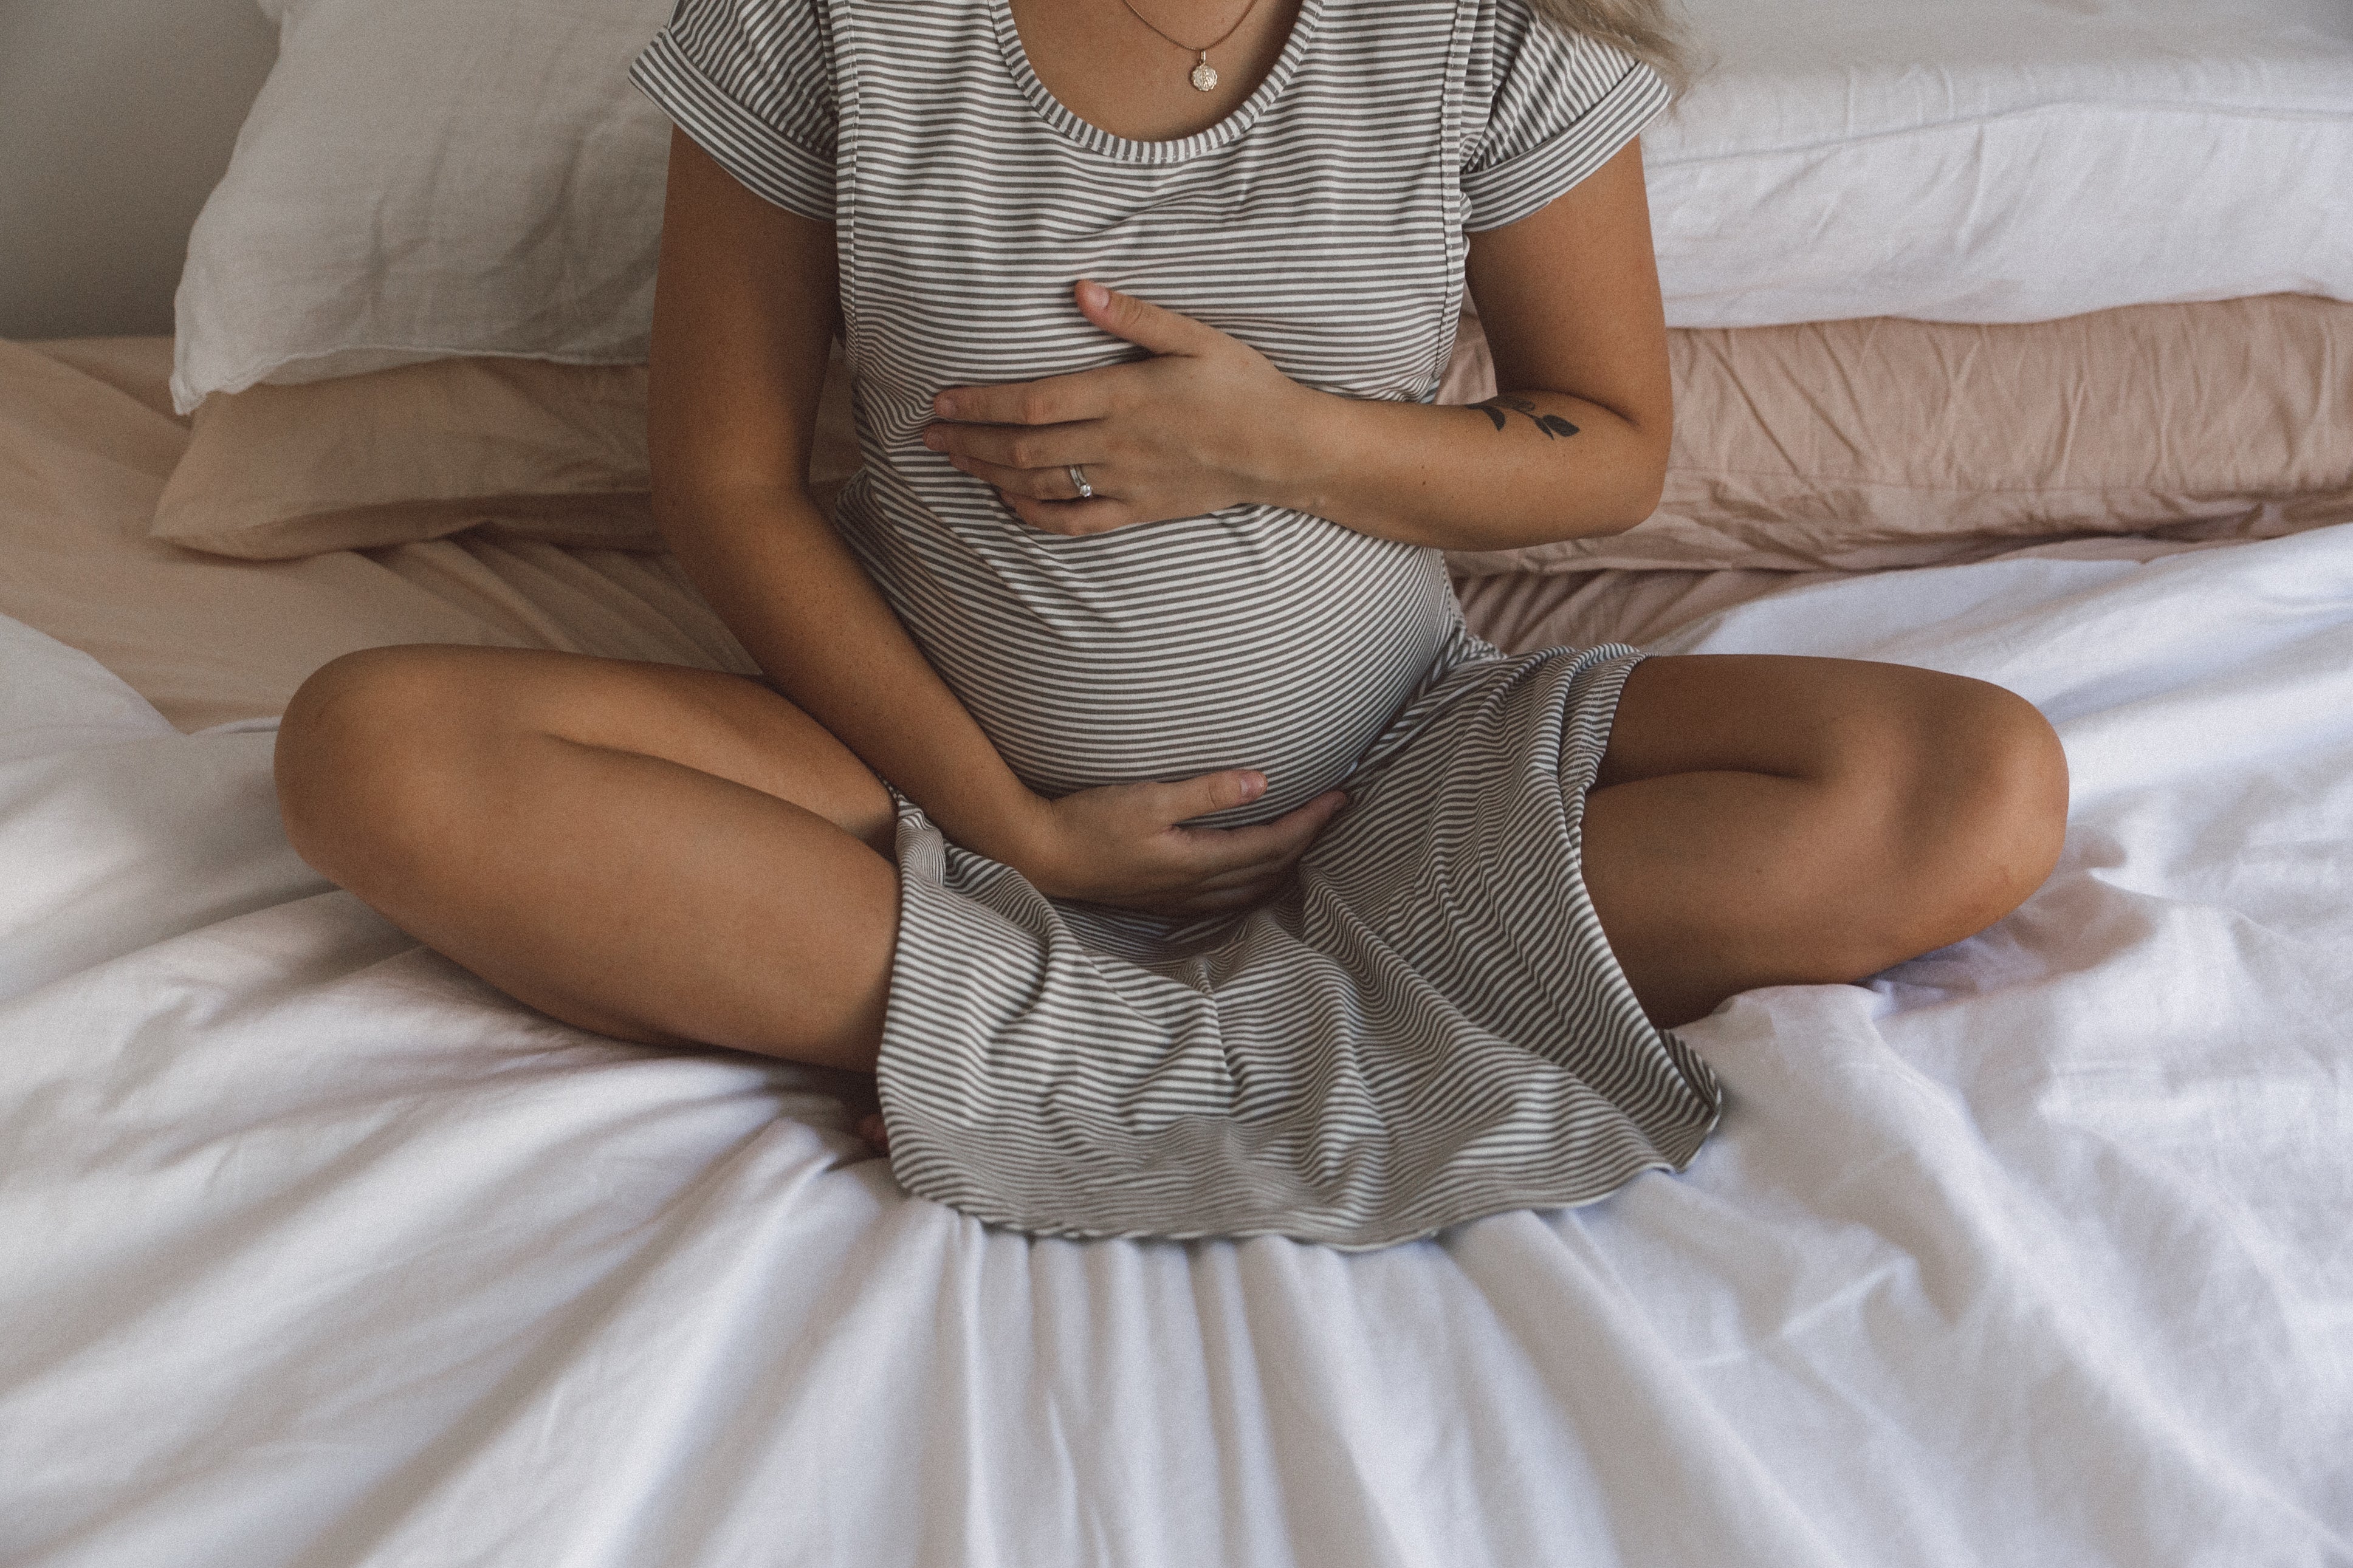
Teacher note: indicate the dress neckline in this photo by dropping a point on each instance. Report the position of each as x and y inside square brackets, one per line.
[1178, 149]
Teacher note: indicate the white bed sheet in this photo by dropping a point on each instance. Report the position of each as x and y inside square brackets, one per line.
[313, 1251]
[2004, 160]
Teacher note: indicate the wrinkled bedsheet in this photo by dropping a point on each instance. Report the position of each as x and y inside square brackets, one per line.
[315, 1250]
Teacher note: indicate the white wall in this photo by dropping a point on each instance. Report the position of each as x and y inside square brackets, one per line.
[116, 118]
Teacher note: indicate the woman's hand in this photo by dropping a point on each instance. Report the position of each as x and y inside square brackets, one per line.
[1204, 424]
[1123, 844]
[1120, 844]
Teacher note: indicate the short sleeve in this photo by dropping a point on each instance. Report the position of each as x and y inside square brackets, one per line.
[752, 82]
[1556, 105]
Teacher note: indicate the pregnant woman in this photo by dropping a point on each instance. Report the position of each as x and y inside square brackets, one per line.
[1126, 790]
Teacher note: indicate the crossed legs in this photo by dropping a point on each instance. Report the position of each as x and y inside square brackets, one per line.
[679, 856]
[1761, 820]
[672, 855]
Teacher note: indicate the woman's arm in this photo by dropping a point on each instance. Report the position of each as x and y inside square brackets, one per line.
[1570, 298]
[743, 318]
[1576, 443]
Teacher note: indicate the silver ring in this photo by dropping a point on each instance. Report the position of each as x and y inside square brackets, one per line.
[1078, 473]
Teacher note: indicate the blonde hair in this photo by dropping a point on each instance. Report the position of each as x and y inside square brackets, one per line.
[1645, 29]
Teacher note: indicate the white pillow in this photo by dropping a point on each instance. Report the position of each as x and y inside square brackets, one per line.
[2003, 160]
[421, 178]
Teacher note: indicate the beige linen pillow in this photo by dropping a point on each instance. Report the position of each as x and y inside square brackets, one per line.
[1869, 444]
[1854, 445]
[547, 451]
[557, 452]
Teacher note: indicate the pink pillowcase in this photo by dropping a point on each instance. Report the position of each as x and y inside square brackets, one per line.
[1855, 445]
[1877, 442]
[552, 452]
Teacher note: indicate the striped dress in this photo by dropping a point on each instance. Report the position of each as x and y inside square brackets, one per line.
[1427, 1025]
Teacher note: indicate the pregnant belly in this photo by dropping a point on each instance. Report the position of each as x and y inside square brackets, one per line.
[1274, 641]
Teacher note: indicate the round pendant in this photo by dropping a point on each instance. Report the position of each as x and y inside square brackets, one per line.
[1205, 77]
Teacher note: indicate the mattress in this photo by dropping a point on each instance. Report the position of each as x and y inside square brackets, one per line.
[2004, 160]
[319, 1251]
[316, 1251]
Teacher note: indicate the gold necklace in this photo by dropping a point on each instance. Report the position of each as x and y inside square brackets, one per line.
[1204, 76]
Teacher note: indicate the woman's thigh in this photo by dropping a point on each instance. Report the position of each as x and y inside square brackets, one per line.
[661, 854]
[1761, 820]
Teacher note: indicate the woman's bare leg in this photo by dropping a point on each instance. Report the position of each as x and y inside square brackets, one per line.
[665, 854]
[1762, 821]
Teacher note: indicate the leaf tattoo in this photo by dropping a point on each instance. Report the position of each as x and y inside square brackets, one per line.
[1552, 424]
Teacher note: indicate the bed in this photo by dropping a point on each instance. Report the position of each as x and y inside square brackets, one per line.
[315, 1250]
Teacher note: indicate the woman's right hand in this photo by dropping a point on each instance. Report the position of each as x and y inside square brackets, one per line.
[1125, 845]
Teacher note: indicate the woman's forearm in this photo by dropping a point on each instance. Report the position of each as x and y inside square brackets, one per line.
[1525, 468]
[1570, 298]
[805, 610]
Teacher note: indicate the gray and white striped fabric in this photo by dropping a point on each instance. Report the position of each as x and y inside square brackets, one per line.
[1430, 1026]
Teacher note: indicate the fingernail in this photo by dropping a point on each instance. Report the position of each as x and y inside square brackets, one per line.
[934, 438]
[1253, 785]
[1094, 295]
[943, 405]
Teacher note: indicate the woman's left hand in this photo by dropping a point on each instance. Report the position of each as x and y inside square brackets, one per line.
[1206, 423]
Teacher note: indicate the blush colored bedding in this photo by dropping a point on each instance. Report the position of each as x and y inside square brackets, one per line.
[1851, 445]
[87, 445]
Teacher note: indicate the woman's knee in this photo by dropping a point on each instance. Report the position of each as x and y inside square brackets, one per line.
[2015, 818]
[361, 751]
[1974, 806]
